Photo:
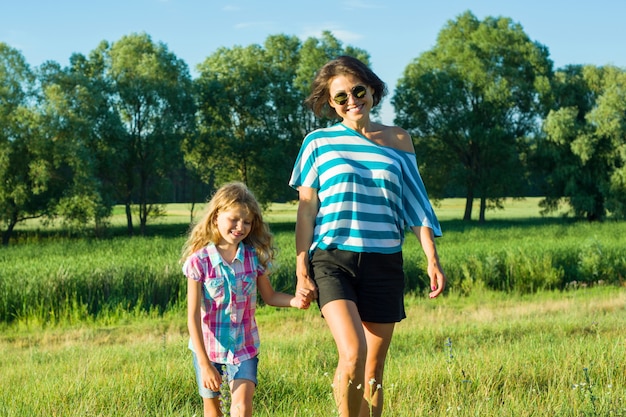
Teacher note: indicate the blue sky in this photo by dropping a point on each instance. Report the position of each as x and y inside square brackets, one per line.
[394, 32]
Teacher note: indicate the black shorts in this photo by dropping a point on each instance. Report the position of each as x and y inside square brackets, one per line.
[374, 281]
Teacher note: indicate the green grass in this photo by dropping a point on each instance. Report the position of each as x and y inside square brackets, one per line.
[547, 354]
[531, 324]
[48, 277]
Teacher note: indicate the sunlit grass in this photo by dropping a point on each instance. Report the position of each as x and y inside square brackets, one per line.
[485, 355]
[97, 326]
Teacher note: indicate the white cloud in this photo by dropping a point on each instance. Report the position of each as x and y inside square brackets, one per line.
[345, 36]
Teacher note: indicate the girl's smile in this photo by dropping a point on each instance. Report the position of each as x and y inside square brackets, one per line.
[234, 225]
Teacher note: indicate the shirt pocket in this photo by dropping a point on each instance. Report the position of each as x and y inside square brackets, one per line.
[248, 285]
[215, 288]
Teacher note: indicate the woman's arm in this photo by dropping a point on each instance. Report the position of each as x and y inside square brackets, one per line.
[305, 224]
[426, 238]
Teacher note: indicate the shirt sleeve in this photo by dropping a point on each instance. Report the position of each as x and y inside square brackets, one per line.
[194, 268]
[305, 169]
[418, 210]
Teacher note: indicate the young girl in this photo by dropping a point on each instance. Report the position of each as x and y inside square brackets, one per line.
[226, 258]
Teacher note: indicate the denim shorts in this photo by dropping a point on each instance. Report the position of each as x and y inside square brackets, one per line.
[374, 281]
[244, 370]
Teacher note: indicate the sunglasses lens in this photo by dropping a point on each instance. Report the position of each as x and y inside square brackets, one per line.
[341, 99]
[359, 91]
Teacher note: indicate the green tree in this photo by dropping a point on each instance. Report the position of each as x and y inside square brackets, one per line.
[77, 112]
[234, 108]
[251, 114]
[609, 117]
[582, 156]
[471, 103]
[25, 162]
[152, 94]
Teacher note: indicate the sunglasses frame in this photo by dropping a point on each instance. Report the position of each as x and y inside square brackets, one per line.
[358, 92]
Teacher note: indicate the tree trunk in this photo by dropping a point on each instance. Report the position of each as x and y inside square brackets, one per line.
[143, 218]
[6, 235]
[129, 219]
[469, 201]
[483, 208]
[193, 206]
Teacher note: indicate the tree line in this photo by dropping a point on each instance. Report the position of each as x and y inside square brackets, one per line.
[128, 125]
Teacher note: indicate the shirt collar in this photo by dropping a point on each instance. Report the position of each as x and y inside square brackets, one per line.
[216, 258]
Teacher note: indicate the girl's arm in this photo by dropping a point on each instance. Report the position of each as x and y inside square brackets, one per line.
[211, 378]
[279, 299]
[426, 238]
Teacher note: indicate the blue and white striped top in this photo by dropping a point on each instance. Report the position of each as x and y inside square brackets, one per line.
[369, 194]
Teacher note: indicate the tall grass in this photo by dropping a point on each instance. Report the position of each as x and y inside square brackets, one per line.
[74, 280]
[55, 279]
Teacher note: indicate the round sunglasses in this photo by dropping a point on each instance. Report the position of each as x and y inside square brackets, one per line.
[341, 98]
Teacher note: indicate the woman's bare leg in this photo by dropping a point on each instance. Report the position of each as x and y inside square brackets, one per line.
[378, 336]
[345, 325]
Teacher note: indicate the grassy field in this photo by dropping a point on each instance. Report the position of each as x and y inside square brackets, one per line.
[447, 209]
[532, 324]
[550, 354]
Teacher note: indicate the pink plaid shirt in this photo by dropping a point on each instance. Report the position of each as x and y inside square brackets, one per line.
[229, 302]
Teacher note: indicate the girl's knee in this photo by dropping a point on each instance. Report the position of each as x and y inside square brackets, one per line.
[241, 399]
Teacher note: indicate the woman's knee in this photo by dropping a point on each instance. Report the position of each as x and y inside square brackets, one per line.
[354, 356]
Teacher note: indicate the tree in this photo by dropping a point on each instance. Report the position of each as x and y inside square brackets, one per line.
[25, 163]
[471, 103]
[235, 112]
[76, 111]
[609, 117]
[152, 95]
[582, 155]
[251, 114]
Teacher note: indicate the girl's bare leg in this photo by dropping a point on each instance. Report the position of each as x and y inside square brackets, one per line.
[242, 392]
[212, 407]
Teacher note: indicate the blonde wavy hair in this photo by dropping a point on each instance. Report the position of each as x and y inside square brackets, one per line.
[228, 196]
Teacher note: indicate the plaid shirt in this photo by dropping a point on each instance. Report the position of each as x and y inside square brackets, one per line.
[229, 302]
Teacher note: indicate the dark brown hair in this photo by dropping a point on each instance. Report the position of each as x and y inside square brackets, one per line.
[343, 65]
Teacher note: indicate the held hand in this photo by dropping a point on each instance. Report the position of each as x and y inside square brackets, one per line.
[300, 302]
[306, 288]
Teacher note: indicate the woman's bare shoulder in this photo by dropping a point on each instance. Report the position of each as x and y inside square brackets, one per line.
[398, 138]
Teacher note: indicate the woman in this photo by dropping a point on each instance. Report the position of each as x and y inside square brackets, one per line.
[359, 188]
